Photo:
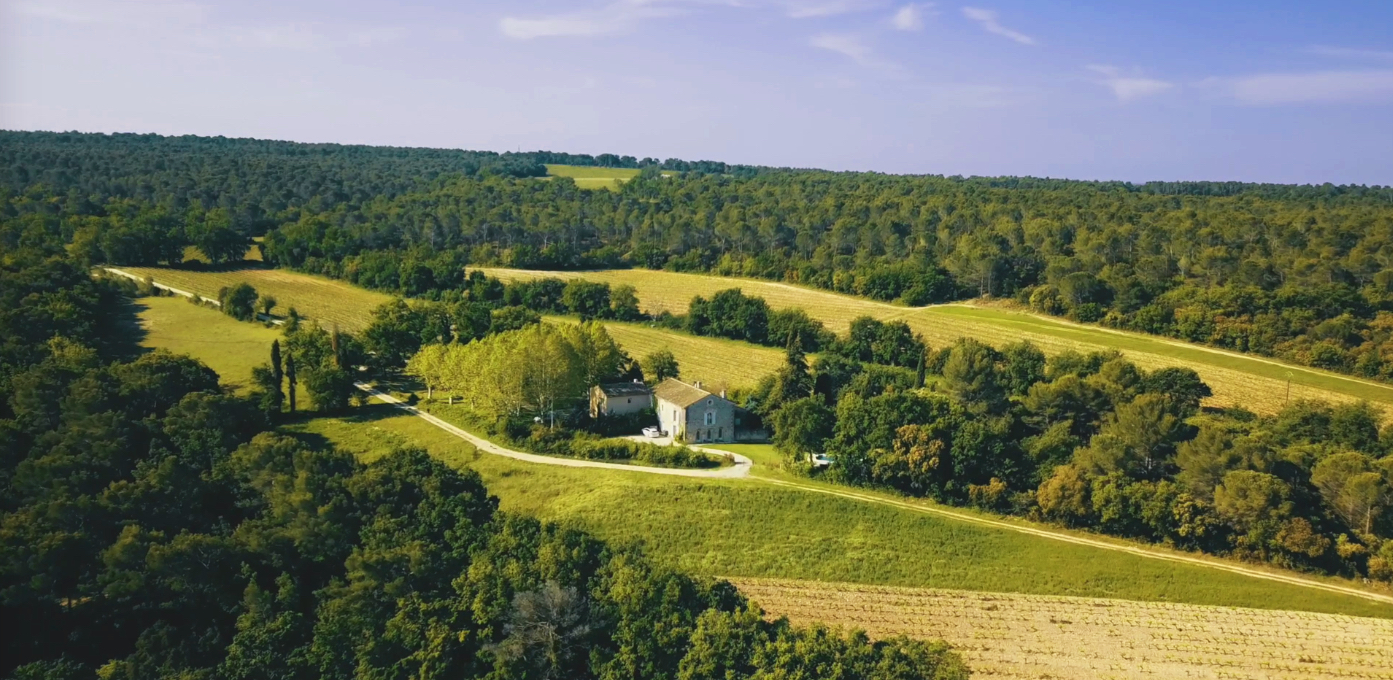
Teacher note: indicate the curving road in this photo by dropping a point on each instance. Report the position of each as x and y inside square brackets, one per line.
[741, 467]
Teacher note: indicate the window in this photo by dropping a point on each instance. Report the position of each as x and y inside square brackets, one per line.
[710, 417]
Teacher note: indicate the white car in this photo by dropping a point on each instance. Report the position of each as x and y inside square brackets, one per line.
[821, 460]
[652, 432]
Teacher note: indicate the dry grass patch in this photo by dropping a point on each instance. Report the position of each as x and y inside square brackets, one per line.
[1042, 636]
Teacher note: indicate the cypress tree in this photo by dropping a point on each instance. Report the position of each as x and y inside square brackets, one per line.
[290, 378]
[278, 396]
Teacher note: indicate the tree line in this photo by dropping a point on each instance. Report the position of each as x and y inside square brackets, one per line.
[153, 525]
[1299, 273]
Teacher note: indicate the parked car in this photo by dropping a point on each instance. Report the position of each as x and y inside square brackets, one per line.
[821, 460]
[651, 432]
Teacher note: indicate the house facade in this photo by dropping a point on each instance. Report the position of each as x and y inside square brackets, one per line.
[693, 415]
[620, 399]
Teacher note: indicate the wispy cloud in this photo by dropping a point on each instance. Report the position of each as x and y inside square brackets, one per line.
[1350, 53]
[617, 17]
[808, 9]
[307, 37]
[1127, 88]
[988, 19]
[1319, 87]
[125, 12]
[853, 48]
[911, 16]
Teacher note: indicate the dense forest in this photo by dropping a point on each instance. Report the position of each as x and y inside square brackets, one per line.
[153, 525]
[1296, 272]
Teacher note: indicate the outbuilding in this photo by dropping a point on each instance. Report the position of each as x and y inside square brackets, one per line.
[620, 399]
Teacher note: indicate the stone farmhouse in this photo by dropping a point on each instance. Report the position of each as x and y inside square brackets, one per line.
[691, 414]
[620, 399]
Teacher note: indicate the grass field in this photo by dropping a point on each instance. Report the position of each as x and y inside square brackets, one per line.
[1253, 382]
[592, 178]
[226, 345]
[1023, 637]
[750, 529]
[325, 301]
[718, 363]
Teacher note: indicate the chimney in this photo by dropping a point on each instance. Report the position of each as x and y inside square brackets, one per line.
[723, 393]
[697, 384]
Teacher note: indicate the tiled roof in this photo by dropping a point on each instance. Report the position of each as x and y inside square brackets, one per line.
[628, 389]
[678, 393]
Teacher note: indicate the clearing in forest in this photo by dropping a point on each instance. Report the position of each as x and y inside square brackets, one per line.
[587, 177]
[1028, 637]
[323, 300]
[228, 346]
[1254, 382]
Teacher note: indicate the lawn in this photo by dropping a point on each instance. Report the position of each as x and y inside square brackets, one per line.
[323, 300]
[748, 528]
[1253, 382]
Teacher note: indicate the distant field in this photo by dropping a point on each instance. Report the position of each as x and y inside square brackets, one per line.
[325, 301]
[716, 362]
[749, 529]
[226, 345]
[1023, 637]
[1253, 382]
[591, 177]
[192, 253]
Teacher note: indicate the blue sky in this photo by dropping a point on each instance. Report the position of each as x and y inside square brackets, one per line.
[1275, 91]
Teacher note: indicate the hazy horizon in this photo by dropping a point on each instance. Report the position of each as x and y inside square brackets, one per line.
[1279, 92]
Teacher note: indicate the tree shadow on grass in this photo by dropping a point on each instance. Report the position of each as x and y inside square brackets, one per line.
[127, 331]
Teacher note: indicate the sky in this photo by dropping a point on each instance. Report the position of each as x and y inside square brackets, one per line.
[1271, 91]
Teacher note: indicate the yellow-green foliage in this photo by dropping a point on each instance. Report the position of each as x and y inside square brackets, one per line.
[1253, 382]
[533, 370]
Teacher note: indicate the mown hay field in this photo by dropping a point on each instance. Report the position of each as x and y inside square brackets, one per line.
[1029, 637]
[1252, 382]
[325, 301]
[716, 362]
